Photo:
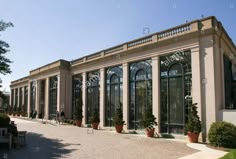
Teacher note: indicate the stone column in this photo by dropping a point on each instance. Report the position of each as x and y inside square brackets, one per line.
[84, 94]
[156, 90]
[29, 102]
[198, 83]
[58, 92]
[126, 95]
[46, 107]
[102, 97]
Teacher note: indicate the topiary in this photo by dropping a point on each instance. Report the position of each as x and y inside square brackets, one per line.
[148, 120]
[95, 116]
[118, 117]
[194, 123]
[222, 134]
[4, 119]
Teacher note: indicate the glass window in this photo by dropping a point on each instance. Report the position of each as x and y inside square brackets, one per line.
[77, 81]
[93, 86]
[229, 89]
[42, 99]
[25, 106]
[140, 91]
[53, 86]
[32, 95]
[176, 88]
[114, 78]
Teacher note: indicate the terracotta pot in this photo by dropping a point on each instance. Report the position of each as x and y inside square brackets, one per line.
[193, 137]
[150, 132]
[78, 123]
[119, 128]
[95, 125]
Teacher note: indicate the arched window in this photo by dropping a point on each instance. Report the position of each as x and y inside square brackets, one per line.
[114, 79]
[93, 95]
[176, 97]
[76, 92]
[140, 91]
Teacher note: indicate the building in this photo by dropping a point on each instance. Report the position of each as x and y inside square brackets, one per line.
[166, 71]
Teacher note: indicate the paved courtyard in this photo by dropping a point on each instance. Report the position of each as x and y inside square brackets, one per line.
[45, 141]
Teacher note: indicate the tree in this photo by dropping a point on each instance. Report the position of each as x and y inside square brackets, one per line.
[4, 48]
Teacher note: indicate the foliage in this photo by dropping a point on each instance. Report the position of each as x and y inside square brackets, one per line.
[95, 116]
[78, 113]
[4, 61]
[148, 119]
[230, 155]
[4, 119]
[222, 134]
[118, 118]
[194, 123]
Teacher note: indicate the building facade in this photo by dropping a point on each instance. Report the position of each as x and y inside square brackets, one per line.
[166, 71]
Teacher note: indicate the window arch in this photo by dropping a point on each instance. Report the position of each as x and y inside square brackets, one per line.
[140, 91]
[114, 93]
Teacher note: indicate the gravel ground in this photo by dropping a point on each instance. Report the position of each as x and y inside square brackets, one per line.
[45, 141]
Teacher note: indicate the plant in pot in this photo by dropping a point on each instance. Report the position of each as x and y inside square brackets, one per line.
[95, 119]
[148, 121]
[118, 120]
[78, 115]
[193, 127]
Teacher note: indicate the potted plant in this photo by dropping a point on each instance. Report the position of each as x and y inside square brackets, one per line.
[118, 120]
[193, 126]
[95, 119]
[148, 121]
[78, 115]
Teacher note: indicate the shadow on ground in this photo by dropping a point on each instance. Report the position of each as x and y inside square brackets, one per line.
[38, 147]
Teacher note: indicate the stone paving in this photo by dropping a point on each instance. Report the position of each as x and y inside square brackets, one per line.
[45, 141]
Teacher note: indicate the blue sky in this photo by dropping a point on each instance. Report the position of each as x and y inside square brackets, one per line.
[47, 30]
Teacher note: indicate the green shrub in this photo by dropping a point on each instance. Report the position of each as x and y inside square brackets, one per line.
[148, 119]
[222, 134]
[4, 119]
[95, 116]
[194, 123]
[118, 117]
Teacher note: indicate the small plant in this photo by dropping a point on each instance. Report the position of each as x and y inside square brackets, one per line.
[222, 134]
[78, 113]
[194, 123]
[148, 119]
[95, 116]
[95, 119]
[4, 119]
[193, 127]
[118, 118]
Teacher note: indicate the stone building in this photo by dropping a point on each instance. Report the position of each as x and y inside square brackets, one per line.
[166, 71]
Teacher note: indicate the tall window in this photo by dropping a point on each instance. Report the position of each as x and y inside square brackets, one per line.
[175, 91]
[20, 98]
[140, 91]
[32, 95]
[114, 95]
[42, 99]
[25, 99]
[12, 98]
[76, 92]
[92, 93]
[53, 83]
[16, 99]
[229, 89]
